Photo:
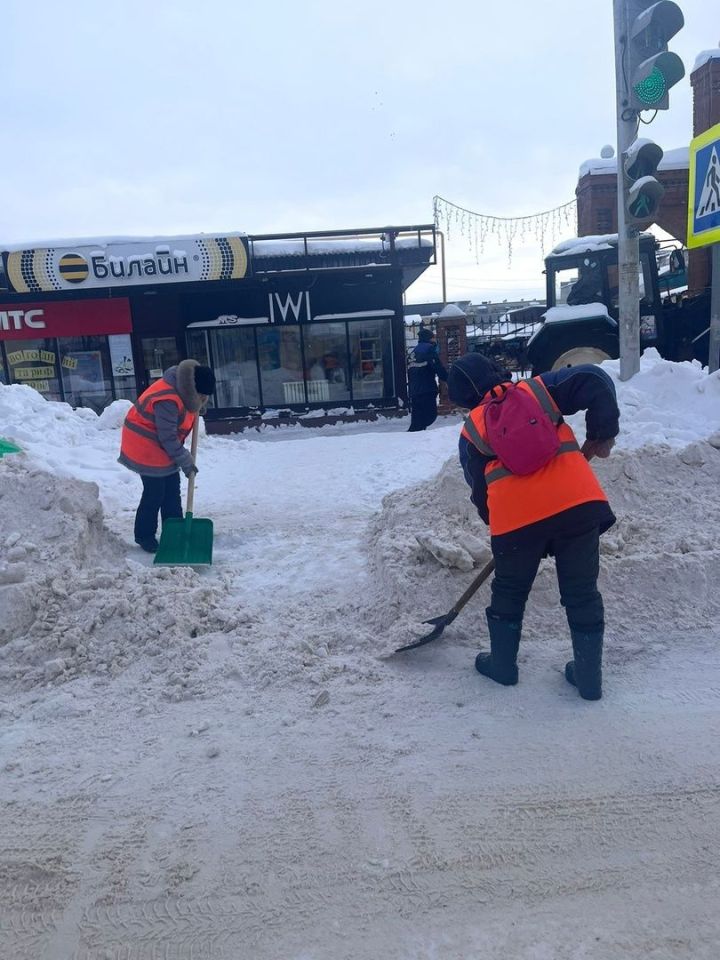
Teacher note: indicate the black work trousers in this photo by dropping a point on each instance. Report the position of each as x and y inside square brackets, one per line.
[423, 412]
[161, 495]
[577, 561]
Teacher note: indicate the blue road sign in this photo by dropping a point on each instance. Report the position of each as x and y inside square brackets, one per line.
[704, 192]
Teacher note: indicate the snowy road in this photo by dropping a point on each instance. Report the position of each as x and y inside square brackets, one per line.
[448, 819]
[222, 767]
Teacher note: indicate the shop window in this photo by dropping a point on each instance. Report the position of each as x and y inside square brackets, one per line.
[86, 372]
[326, 362]
[281, 368]
[371, 358]
[235, 365]
[122, 366]
[34, 363]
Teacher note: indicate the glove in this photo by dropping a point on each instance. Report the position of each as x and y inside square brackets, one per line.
[189, 470]
[597, 448]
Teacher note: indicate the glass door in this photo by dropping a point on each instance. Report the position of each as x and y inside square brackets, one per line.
[159, 353]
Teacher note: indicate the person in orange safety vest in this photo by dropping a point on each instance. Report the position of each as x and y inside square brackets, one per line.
[559, 509]
[152, 443]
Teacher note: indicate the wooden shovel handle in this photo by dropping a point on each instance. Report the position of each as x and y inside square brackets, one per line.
[193, 454]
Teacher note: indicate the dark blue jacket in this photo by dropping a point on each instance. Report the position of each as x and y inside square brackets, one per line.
[585, 387]
[423, 367]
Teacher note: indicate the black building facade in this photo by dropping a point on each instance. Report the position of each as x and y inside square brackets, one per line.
[297, 326]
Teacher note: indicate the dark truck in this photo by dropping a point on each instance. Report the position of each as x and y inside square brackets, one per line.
[580, 324]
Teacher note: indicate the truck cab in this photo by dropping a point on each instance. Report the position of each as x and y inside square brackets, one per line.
[580, 324]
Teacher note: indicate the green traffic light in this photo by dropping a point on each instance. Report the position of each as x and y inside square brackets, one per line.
[653, 88]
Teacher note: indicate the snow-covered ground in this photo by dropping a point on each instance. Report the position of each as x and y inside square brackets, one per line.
[231, 764]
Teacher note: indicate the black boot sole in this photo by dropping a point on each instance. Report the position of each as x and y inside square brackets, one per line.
[484, 665]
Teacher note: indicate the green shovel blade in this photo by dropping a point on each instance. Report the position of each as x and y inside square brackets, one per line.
[185, 542]
[7, 447]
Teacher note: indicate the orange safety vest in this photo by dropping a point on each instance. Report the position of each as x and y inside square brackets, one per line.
[566, 481]
[140, 448]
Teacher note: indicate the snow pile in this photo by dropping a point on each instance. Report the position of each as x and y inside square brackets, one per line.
[659, 564]
[290, 599]
[74, 605]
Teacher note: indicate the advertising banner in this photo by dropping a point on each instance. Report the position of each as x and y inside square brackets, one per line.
[28, 321]
[118, 263]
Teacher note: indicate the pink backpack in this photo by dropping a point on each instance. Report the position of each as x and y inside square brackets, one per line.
[521, 427]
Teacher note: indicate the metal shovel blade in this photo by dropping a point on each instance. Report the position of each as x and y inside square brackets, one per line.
[440, 623]
[185, 542]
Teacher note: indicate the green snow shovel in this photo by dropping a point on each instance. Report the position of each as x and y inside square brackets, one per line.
[186, 541]
[7, 447]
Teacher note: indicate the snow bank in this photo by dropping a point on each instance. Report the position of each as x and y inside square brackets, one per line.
[290, 599]
[660, 564]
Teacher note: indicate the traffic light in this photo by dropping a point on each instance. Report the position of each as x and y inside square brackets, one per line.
[643, 191]
[651, 68]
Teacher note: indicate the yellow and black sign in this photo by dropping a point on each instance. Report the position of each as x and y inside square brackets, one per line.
[119, 263]
[73, 268]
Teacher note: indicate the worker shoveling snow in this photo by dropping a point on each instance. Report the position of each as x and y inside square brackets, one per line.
[660, 564]
[229, 760]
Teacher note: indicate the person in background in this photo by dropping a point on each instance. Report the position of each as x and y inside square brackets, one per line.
[424, 367]
[559, 510]
[151, 444]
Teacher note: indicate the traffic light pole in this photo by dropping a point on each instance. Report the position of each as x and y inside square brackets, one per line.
[628, 243]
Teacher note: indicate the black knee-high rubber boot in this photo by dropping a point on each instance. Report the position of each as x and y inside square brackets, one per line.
[500, 664]
[584, 671]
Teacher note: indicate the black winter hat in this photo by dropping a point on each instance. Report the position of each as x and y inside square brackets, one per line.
[204, 380]
[425, 335]
[470, 378]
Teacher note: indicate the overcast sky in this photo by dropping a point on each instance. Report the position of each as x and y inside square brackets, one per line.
[177, 117]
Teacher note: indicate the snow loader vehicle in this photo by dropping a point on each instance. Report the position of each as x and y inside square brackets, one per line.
[580, 324]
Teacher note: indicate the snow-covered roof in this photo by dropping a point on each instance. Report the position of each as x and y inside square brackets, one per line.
[564, 313]
[101, 242]
[298, 248]
[413, 319]
[589, 244]
[676, 159]
[451, 310]
[264, 248]
[705, 57]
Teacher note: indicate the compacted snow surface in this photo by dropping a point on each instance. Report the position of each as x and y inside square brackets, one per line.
[232, 764]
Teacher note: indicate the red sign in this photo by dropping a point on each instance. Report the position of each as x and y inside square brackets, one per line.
[68, 318]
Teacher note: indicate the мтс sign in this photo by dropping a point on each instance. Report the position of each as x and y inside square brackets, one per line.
[704, 192]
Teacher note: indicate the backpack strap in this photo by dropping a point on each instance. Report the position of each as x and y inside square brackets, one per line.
[540, 392]
[483, 447]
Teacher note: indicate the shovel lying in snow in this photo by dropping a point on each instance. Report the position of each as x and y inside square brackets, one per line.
[447, 618]
[186, 541]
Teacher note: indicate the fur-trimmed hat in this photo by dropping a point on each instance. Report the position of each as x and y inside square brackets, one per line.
[194, 383]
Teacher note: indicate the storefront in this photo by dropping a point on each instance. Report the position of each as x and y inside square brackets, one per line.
[77, 351]
[299, 326]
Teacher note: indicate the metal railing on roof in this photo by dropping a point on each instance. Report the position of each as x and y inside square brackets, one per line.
[399, 247]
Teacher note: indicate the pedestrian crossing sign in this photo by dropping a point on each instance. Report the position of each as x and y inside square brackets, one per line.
[704, 189]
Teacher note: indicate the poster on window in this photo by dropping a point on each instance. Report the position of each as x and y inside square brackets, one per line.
[121, 359]
[86, 371]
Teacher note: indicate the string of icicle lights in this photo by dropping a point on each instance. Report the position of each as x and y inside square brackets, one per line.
[479, 228]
